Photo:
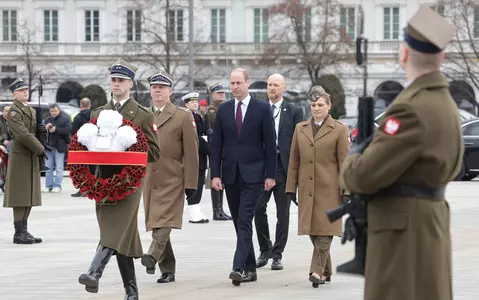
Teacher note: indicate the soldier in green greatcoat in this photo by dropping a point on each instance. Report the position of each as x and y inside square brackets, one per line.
[217, 96]
[22, 190]
[119, 222]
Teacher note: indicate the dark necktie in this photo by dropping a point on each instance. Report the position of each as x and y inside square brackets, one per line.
[239, 118]
[273, 107]
[117, 106]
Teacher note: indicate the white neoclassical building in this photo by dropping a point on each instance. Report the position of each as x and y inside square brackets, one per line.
[76, 40]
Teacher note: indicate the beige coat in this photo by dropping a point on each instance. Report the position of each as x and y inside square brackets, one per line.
[419, 143]
[119, 223]
[22, 188]
[177, 169]
[314, 166]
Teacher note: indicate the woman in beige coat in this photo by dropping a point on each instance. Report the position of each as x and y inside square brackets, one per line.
[318, 150]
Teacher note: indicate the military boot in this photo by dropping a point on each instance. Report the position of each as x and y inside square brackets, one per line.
[215, 201]
[35, 239]
[127, 271]
[220, 207]
[20, 236]
[98, 264]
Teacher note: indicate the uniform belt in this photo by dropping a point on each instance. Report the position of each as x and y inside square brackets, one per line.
[406, 190]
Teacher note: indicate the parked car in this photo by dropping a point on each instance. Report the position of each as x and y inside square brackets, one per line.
[470, 163]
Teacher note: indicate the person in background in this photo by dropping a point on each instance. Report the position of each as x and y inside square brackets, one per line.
[196, 216]
[318, 149]
[5, 136]
[203, 107]
[80, 119]
[58, 126]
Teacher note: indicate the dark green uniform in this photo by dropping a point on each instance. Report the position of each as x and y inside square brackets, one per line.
[119, 223]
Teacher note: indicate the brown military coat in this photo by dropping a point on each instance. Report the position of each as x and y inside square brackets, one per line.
[23, 188]
[419, 143]
[314, 165]
[119, 223]
[177, 169]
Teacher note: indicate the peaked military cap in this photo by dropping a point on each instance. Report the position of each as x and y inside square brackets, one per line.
[216, 88]
[316, 92]
[428, 32]
[122, 69]
[18, 84]
[190, 97]
[162, 78]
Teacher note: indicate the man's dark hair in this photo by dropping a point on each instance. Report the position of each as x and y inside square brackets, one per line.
[53, 105]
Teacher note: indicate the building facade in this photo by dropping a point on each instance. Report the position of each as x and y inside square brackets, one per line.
[76, 40]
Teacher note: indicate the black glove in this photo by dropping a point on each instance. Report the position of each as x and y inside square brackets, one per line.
[292, 197]
[44, 155]
[345, 199]
[359, 148]
[350, 231]
[42, 134]
[209, 131]
[189, 193]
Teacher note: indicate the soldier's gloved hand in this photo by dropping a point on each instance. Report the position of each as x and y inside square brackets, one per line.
[189, 193]
[350, 231]
[345, 199]
[359, 148]
[44, 155]
[292, 197]
[209, 131]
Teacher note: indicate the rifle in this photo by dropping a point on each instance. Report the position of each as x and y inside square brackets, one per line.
[41, 134]
[356, 207]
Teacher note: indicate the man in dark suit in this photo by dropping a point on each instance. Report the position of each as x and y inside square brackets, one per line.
[244, 147]
[285, 116]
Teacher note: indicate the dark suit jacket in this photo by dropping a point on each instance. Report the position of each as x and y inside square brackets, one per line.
[290, 116]
[253, 152]
[203, 149]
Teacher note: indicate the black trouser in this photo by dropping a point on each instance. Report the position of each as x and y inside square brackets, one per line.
[196, 198]
[242, 200]
[282, 214]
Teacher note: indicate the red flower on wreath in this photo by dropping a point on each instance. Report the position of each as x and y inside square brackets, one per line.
[104, 190]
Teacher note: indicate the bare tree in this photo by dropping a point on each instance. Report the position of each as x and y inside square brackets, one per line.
[462, 60]
[156, 37]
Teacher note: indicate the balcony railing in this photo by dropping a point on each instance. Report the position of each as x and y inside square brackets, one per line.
[202, 50]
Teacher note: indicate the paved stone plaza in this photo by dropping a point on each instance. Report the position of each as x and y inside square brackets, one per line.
[204, 255]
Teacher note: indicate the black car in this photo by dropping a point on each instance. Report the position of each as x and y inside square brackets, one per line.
[470, 163]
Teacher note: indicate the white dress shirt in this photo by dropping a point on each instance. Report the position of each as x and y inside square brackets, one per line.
[276, 116]
[244, 106]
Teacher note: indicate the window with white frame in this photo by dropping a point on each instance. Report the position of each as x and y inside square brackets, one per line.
[303, 21]
[133, 25]
[218, 25]
[347, 20]
[261, 25]
[391, 23]
[92, 25]
[9, 25]
[476, 22]
[50, 25]
[175, 25]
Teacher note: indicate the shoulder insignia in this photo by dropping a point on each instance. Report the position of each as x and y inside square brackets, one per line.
[392, 126]
[194, 123]
[155, 128]
[143, 108]
[183, 108]
[13, 113]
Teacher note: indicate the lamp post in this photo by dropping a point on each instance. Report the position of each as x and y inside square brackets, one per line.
[191, 61]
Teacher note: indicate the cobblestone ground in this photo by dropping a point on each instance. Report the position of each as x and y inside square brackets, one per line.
[204, 255]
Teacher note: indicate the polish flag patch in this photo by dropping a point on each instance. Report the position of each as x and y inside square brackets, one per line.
[155, 128]
[392, 126]
[194, 123]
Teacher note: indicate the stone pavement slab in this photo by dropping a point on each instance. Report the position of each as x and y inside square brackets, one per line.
[204, 255]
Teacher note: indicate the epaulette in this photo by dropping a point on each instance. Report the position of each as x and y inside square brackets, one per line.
[98, 108]
[183, 108]
[144, 108]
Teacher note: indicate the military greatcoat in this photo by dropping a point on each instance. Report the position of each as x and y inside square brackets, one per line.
[211, 113]
[23, 188]
[418, 143]
[177, 169]
[119, 223]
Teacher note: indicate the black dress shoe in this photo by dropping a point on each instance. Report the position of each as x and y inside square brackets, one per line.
[315, 281]
[166, 278]
[250, 276]
[262, 260]
[276, 264]
[236, 277]
[149, 262]
[77, 194]
[328, 278]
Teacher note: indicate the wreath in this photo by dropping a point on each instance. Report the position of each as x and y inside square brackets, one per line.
[104, 190]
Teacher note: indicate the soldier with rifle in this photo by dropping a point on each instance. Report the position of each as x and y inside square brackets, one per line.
[22, 190]
[404, 170]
